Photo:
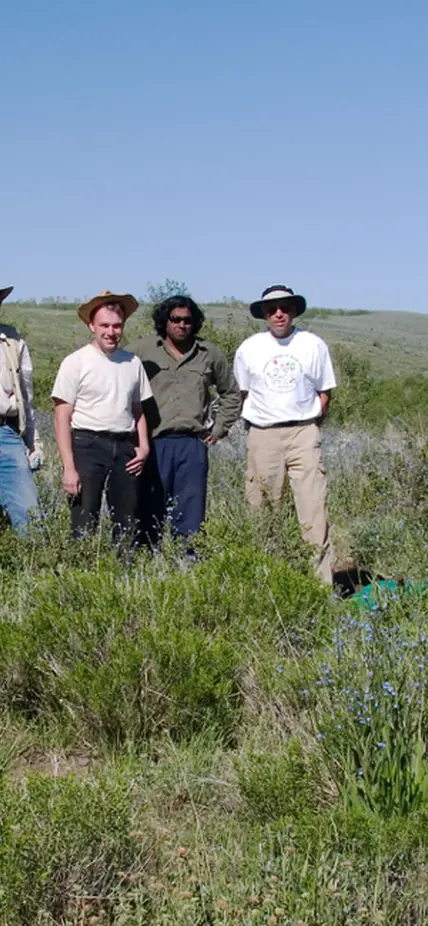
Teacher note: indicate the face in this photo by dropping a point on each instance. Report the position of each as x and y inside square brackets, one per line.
[179, 327]
[279, 319]
[107, 327]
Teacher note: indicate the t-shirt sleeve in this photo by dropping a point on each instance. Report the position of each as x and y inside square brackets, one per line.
[240, 371]
[67, 380]
[144, 387]
[324, 378]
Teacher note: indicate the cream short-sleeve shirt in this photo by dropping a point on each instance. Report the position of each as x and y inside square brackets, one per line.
[102, 388]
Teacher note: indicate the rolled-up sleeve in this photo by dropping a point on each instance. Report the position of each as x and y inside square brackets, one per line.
[26, 380]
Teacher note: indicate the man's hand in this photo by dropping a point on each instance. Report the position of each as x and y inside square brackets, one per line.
[135, 466]
[71, 481]
[324, 399]
[210, 440]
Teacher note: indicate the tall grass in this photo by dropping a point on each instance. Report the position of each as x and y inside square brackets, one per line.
[223, 742]
[226, 741]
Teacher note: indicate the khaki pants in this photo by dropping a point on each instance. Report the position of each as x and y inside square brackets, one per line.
[274, 452]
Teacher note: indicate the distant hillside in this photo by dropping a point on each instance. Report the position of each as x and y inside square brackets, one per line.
[395, 343]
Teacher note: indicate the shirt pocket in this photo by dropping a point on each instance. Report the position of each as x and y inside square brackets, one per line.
[156, 368]
[196, 382]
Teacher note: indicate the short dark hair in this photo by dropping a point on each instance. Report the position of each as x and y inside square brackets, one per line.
[162, 311]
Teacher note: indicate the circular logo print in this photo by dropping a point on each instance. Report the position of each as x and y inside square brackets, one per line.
[282, 373]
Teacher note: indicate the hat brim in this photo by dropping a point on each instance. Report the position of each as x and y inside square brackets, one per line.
[128, 304]
[257, 309]
[5, 292]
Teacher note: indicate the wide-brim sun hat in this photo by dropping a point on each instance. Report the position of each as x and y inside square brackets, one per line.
[280, 294]
[128, 304]
[5, 292]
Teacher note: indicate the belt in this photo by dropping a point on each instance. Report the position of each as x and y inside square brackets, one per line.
[284, 424]
[9, 422]
[113, 435]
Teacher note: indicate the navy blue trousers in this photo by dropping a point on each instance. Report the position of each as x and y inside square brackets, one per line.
[173, 484]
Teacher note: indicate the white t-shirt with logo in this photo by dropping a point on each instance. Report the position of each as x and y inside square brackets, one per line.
[283, 377]
[102, 388]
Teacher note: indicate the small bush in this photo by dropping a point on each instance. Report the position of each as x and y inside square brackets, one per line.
[127, 660]
[279, 785]
[66, 848]
[228, 337]
[355, 384]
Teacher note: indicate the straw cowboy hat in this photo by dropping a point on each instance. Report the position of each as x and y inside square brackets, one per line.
[281, 295]
[4, 293]
[127, 303]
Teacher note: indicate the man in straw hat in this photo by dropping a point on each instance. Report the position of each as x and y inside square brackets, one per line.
[285, 376]
[100, 427]
[20, 445]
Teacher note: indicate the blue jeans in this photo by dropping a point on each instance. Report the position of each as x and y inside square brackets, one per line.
[18, 494]
[174, 481]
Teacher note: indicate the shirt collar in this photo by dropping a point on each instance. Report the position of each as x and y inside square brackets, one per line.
[200, 343]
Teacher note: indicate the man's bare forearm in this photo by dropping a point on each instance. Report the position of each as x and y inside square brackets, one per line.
[141, 428]
[324, 399]
[63, 413]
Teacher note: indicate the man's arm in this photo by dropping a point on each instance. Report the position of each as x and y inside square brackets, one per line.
[324, 399]
[229, 405]
[241, 374]
[142, 449]
[26, 379]
[70, 476]
[325, 379]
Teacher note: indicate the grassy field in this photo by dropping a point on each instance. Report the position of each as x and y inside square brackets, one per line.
[395, 343]
[223, 742]
[380, 358]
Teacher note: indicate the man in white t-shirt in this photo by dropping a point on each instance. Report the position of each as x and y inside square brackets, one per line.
[100, 426]
[285, 376]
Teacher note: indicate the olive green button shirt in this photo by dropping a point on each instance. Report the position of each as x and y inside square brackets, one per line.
[181, 387]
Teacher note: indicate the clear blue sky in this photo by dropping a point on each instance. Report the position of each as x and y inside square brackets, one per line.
[226, 144]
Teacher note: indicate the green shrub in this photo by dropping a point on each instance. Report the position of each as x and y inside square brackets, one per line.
[229, 337]
[43, 380]
[279, 785]
[67, 848]
[355, 385]
[399, 397]
[129, 659]
[91, 653]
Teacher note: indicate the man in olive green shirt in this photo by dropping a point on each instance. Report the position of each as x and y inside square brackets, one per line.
[181, 368]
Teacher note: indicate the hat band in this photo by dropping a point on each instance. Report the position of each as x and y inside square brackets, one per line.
[277, 294]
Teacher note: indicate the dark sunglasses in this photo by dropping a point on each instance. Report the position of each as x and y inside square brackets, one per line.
[272, 309]
[180, 319]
